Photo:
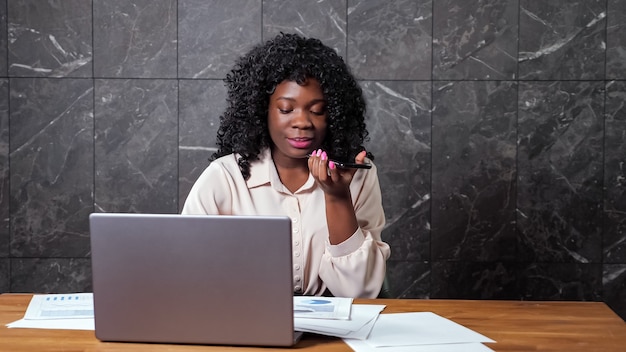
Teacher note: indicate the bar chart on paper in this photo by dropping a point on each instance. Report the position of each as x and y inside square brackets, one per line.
[60, 306]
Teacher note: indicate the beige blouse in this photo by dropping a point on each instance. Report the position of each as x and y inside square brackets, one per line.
[353, 268]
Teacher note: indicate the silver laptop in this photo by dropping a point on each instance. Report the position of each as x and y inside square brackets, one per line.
[193, 279]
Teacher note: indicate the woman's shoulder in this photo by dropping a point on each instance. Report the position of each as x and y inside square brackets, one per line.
[231, 161]
[226, 160]
[228, 164]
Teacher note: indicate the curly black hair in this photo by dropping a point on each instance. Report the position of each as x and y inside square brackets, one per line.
[243, 126]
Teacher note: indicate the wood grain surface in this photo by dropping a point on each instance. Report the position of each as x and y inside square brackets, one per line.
[515, 325]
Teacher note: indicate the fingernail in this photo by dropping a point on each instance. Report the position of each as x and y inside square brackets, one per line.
[331, 165]
[324, 155]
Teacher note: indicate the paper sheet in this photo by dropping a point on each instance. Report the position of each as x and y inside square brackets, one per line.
[424, 328]
[58, 311]
[60, 306]
[322, 307]
[66, 324]
[358, 326]
[363, 346]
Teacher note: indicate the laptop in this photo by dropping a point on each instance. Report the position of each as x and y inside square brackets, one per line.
[192, 279]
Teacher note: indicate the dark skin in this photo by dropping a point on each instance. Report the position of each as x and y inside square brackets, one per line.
[297, 125]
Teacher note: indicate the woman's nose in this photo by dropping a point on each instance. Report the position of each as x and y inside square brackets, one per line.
[301, 119]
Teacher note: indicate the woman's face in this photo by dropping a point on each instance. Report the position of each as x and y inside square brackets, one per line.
[296, 119]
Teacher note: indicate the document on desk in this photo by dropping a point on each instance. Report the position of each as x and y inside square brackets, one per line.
[60, 306]
[359, 325]
[363, 346]
[58, 311]
[322, 307]
[431, 332]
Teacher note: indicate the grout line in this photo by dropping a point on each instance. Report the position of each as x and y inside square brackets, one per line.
[432, 102]
[178, 205]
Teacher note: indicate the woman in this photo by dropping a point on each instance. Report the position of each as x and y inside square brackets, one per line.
[292, 106]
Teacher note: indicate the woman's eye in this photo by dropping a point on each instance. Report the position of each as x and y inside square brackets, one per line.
[318, 110]
[285, 111]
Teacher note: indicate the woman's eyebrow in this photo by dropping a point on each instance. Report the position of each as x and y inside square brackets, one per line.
[286, 98]
[312, 102]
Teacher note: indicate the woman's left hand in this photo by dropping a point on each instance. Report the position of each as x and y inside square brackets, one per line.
[333, 180]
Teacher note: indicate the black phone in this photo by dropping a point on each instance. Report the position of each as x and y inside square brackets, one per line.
[347, 165]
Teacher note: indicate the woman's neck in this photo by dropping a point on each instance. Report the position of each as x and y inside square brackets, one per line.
[293, 173]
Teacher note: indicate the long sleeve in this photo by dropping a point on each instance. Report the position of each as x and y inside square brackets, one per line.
[356, 267]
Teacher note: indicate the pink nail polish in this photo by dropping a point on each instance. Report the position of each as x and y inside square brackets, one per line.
[331, 165]
[324, 155]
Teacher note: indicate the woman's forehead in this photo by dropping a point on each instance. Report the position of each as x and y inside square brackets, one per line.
[289, 89]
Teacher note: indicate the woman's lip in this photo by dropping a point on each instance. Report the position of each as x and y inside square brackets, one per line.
[300, 143]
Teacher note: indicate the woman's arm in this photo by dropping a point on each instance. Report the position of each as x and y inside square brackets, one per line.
[340, 216]
[354, 262]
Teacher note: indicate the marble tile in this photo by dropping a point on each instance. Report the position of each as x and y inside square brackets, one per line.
[212, 34]
[390, 39]
[398, 121]
[474, 280]
[475, 39]
[136, 146]
[614, 287]
[5, 194]
[135, 39]
[54, 275]
[3, 38]
[51, 166]
[473, 187]
[615, 174]
[407, 230]
[560, 171]
[201, 104]
[562, 39]
[409, 279]
[616, 40]
[560, 281]
[323, 19]
[50, 38]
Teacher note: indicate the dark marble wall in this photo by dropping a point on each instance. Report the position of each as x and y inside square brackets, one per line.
[499, 128]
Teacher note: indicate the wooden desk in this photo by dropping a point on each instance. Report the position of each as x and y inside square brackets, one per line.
[515, 325]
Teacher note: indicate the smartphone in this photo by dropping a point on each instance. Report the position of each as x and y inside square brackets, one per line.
[347, 165]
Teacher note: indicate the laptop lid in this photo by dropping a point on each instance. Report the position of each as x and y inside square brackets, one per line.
[197, 279]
